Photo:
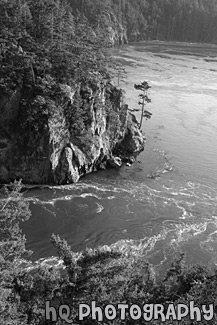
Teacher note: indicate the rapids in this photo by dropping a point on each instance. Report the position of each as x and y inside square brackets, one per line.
[166, 202]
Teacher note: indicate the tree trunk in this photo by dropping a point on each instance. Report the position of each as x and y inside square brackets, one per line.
[143, 106]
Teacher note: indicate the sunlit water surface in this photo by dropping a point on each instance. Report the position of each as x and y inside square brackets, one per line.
[167, 201]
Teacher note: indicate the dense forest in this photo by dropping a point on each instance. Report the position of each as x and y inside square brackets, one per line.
[55, 71]
[63, 39]
[171, 20]
[45, 39]
[47, 45]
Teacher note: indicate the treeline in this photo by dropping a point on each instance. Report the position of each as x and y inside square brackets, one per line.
[183, 20]
[51, 59]
[66, 40]
[47, 37]
[171, 20]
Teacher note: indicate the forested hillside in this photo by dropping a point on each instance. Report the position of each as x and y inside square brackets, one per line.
[55, 31]
[60, 117]
[45, 37]
[173, 20]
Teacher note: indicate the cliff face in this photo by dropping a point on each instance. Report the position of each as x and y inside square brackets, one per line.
[116, 31]
[55, 147]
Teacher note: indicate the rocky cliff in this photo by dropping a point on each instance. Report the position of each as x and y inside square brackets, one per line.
[57, 140]
[115, 30]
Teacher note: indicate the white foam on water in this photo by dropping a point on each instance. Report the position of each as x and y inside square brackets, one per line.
[185, 214]
[185, 232]
[34, 200]
[47, 262]
[211, 242]
[100, 208]
[140, 247]
[84, 195]
[52, 202]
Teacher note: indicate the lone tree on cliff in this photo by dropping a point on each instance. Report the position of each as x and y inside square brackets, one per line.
[143, 100]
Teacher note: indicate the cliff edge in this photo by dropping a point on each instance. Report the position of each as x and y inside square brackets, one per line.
[56, 140]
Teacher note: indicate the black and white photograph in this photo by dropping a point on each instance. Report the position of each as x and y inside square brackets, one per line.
[108, 162]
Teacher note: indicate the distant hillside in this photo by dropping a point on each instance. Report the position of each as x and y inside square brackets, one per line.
[171, 20]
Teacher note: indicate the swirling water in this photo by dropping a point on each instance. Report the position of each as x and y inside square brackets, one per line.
[167, 201]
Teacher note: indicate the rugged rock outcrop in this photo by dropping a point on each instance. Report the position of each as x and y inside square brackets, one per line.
[115, 29]
[47, 149]
[132, 142]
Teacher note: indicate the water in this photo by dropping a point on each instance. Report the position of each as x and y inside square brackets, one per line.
[167, 201]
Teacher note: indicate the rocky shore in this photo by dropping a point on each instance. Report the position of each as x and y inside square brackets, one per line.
[52, 153]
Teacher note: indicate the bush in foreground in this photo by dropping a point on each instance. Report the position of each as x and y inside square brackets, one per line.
[104, 275]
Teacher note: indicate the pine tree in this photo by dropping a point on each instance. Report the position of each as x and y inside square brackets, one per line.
[144, 87]
[13, 210]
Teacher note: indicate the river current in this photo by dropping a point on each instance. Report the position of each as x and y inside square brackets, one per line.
[165, 203]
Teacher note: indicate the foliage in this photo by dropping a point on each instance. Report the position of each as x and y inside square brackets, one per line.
[13, 210]
[171, 20]
[49, 47]
[144, 87]
[105, 275]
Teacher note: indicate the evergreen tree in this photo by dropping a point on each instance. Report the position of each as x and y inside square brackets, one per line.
[144, 87]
